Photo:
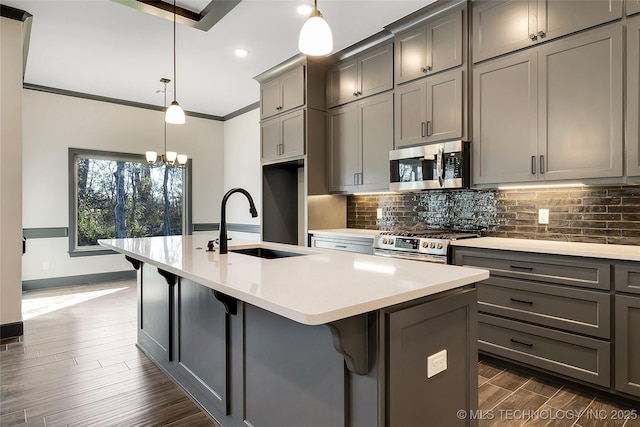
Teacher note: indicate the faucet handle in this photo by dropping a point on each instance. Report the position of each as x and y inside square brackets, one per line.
[210, 244]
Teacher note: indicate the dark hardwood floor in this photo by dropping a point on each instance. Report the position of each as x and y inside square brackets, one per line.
[77, 365]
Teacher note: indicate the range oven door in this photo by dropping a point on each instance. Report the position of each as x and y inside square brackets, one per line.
[414, 256]
[428, 167]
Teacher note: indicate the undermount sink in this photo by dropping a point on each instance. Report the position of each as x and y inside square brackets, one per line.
[265, 253]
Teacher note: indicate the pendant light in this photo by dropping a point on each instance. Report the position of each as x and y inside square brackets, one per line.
[168, 158]
[175, 113]
[315, 35]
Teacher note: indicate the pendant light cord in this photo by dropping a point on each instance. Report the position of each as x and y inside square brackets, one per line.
[175, 96]
[164, 121]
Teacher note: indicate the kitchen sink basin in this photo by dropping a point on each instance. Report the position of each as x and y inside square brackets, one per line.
[265, 253]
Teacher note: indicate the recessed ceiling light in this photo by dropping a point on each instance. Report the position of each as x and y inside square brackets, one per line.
[241, 53]
[304, 9]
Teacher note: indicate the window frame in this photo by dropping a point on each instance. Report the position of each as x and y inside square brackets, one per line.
[74, 153]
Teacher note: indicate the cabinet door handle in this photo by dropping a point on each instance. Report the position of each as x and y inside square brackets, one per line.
[359, 93]
[521, 301]
[423, 129]
[340, 246]
[533, 37]
[521, 343]
[429, 130]
[425, 69]
[355, 93]
[355, 179]
[521, 267]
[533, 165]
[541, 34]
[542, 164]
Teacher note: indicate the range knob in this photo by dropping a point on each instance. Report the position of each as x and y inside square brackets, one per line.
[425, 244]
[439, 245]
[432, 245]
[385, 241]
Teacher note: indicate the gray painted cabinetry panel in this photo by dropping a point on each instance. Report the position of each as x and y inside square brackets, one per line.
[633, 95]
[633, 6]
[367, 74]
[283, 137]
[429, 110]
[429, 48]
[155, 322]
[507, 25]
[579, 357]
[360, 138]
[283, 93]
[628, 344]
[566, 96]
[627, 277]
[505, 119]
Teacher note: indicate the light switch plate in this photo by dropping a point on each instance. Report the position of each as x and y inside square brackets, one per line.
[379, 213]
[543, 216]
[436, 363]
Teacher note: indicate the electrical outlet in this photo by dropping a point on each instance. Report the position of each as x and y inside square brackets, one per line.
[379, 213]
[45, 265]
[436, 363]
[543, 216]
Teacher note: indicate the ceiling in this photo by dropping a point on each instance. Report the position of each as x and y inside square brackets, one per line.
[105, 48]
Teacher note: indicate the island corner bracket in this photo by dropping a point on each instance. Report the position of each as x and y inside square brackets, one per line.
[134, 262]
[351, 339]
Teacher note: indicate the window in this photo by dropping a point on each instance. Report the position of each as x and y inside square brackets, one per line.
[117, 195]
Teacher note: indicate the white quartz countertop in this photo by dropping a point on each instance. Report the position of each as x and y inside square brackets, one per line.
[320, 287]
[347, 233]
[593, 250]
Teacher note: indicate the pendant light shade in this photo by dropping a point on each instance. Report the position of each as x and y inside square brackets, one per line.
[175, 113]
[315, 36]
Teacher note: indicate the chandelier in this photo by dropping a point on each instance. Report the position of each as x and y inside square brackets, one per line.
[168, 158]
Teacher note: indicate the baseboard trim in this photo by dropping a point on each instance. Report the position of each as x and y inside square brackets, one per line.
[11, 330]
[83, 279]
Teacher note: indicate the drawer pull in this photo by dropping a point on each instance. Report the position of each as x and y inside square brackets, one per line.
[341, 246]
[521, 301]
[521, 342]
[521, 267]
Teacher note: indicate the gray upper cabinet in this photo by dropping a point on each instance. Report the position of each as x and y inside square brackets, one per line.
[505, 126]
[283, 137]
[580, 106]
[507, 25]
[430, 48]
[429, 110]
[633, 6]
[283, 93]
[367, 74]
[360, 138]
[553, 113]
[633, 96]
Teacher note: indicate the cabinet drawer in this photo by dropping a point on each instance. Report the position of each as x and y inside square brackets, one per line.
[627, 277]
[343, 245]
[574, 310]
[582, 358]
[564, 270]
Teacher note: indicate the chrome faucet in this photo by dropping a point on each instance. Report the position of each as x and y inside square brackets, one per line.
[223, 248]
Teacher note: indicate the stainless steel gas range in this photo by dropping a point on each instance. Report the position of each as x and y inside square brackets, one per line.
[419, 245]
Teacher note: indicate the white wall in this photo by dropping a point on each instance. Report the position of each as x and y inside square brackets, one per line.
[242, 160]
[10, 170]
[53, 123]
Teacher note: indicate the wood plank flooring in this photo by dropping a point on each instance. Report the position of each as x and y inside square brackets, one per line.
[78, 365]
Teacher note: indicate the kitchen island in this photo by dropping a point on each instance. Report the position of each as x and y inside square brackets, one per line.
[311, 337]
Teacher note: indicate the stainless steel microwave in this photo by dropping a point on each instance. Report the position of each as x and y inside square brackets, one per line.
[427, 167]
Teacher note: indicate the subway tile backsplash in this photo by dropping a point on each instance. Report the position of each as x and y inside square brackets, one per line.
[578, 214]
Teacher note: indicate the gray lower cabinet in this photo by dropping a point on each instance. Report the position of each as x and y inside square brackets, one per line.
[359, 245]
[155, 320]
[633, 6]
[249, 367]
[203, 329]
[551, 312]
[633, 94]
[413, 394]
[627, 377]
[553, 113]
[429, 110]
[360, 138]
[503, 26]
[429, 48]
[283, 137]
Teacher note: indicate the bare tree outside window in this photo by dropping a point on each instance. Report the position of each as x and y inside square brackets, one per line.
[119, 195]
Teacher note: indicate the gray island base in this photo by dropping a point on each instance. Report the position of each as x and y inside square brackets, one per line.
[248, 366]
